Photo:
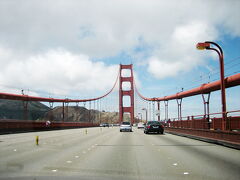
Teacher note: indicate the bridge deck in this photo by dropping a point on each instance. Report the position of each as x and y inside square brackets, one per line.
[109, 154]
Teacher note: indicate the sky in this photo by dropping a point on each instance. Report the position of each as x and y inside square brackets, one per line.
[73, 48]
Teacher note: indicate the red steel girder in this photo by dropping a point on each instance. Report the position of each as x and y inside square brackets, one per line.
[126, 66]
[230, 81]
[127, 109]
[129, 93]
[127, 79]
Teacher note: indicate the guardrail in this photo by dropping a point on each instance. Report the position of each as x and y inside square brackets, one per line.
[209, 121]
[226, 138]
[208, 128]
[8, 125]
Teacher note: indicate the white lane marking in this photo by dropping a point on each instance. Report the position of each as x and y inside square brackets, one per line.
[175, 164]
[96, 144]
[93, 146]
[186, 173]
[76, 156]
[84, 152]
[54, 170]
[69, 161]
[15, 150]
[89, 149]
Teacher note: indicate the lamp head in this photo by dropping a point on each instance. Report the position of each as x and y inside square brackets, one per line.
[202, 46]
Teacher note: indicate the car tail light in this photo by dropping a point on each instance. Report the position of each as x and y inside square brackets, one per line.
[148, 126]
[162, 126]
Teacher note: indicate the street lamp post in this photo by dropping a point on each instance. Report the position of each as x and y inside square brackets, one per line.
[137, 117]
[144, 109]
[140, 116]
[206, 45]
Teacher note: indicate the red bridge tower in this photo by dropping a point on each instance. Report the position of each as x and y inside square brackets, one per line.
[123, 93]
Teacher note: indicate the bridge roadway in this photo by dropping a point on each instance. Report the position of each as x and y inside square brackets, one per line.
[108, 154]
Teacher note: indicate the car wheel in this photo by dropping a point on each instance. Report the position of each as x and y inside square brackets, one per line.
[120, 130]
[146, 132]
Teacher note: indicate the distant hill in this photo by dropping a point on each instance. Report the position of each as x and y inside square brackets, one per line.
[10, 109]
[81, 114]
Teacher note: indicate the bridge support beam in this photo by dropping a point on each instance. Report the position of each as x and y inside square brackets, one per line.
[150, 111]
[158, 107]
[166, 110]
[122, 93]
[51, 111]
[89, 112]
[25, 110]
[66, 109]
[179, 103]
[206, 108]
[63, 113]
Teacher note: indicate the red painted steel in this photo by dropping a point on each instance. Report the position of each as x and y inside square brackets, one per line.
[202, 123]
[32, 125]
[122, 93]
[219, 51]
[230, 81]
[166, 109]
[206, 107]
[225, 136]
[126, 93]
[234, 123]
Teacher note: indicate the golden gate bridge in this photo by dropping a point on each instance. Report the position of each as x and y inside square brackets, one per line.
[204, 125]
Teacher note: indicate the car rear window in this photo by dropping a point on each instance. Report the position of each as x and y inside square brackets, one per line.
[126, 123]
[154, 123]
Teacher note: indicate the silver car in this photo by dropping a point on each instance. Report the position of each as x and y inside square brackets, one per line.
[126, 126]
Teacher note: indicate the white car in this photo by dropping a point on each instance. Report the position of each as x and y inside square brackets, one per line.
[126, 126]
[140, 125]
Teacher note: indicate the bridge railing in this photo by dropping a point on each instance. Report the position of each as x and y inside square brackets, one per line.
[10, 125]
[211, 121]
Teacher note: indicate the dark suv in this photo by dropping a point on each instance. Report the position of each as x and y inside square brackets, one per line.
[154, 126]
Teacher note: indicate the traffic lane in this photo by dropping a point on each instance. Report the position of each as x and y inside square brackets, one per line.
[66, 164]
[41, 155]
[204, 149]
[138, 156]
[197, 158]
[31, 159]
[115, 158]
[163, 165]
[29, 136]
[10, 144]
[124, 156]
[118, 155]
[106, 160]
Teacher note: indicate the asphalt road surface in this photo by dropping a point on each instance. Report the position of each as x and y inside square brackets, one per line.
[105, 153]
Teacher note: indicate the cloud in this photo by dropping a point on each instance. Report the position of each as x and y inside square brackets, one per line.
[59, 72]
[164, 69]
[179, 53]
[160, 33]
